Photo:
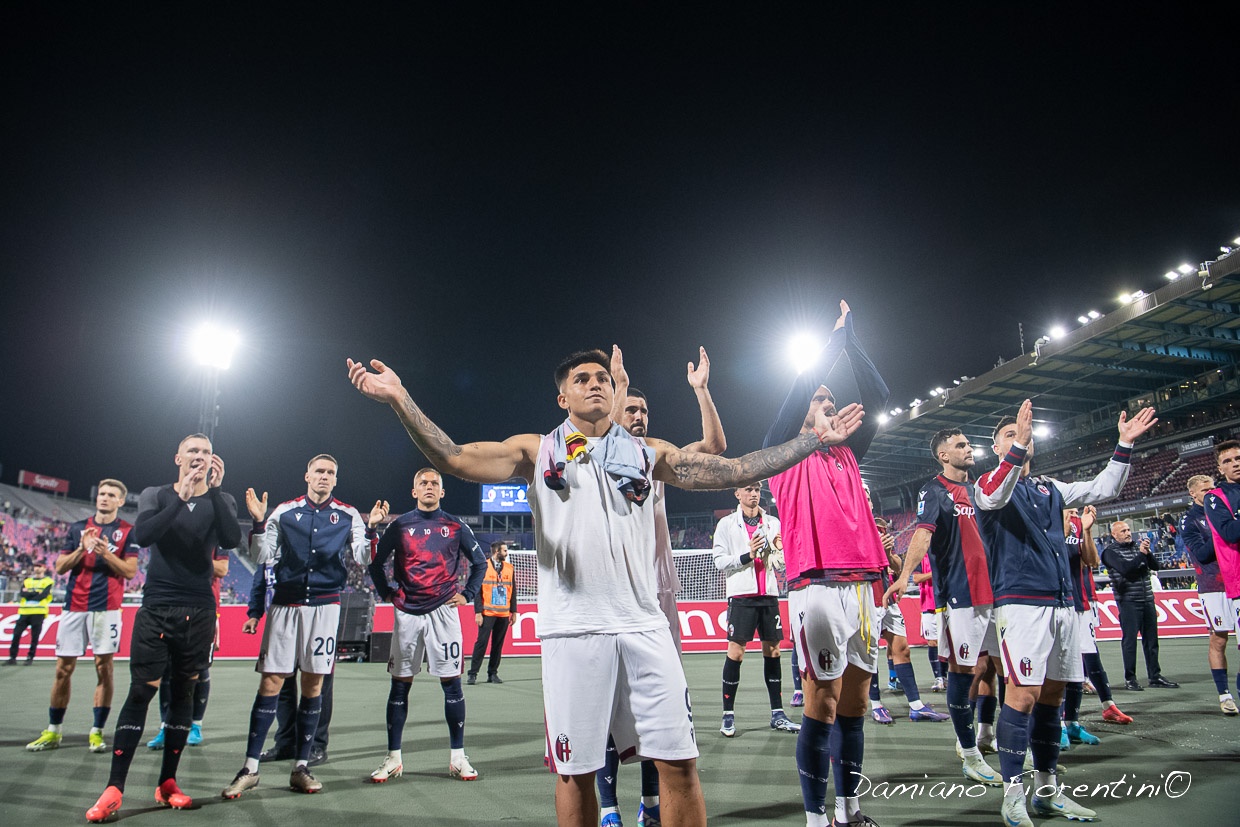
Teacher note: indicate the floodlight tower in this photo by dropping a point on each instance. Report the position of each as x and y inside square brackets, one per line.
[212, 348]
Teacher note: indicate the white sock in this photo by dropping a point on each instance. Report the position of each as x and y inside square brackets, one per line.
[1108, 704]
[302, 764]
[395, 753]
[96, 730]
[1043, 783]
[985, 732]
[457, 753]
[917, 704]
[875, 705]
[650, 801]
[606, 811]
[841, 810]
[198, 723]
[1226, 696]
[55, 728]
[817, 820]
[972, 752]
[775, 712]
[251, 765]
[852, 806]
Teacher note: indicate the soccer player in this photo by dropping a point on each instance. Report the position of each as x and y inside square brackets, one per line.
[495, 608]
[597, 603]
[947, 537]
[100, 556]
[306, 539]
[835, 560]
[428, 547]
[1222, 507]
[182, 524]
[631, 412]
[1220, 616]
[749, 551]
[1022, 527]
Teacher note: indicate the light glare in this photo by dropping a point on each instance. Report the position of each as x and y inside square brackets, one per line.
[213, 347]
[803, 351]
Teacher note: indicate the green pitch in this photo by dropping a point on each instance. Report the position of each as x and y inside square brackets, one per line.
[1180, 745]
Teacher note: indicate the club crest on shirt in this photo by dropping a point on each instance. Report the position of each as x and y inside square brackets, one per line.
[825, 660]
[334, 518]
[117, 535]
[964, 651]
[563, 749]
[1026, 667]
[1043, 490]
[445, 531]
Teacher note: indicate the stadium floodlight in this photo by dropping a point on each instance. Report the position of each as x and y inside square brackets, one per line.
[1171, 275]
[1083, 319]
[1186, 269]
[979, 452]
[882, 419]
[1041, 431]
[1058, 332]
[1094, 314]
[803, 349]
[213, 347]
[1236, 241]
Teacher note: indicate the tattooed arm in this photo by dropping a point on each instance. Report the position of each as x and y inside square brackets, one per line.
[685, 469]
[473, 461]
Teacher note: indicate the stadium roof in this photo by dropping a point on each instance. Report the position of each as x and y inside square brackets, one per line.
[1159, 349]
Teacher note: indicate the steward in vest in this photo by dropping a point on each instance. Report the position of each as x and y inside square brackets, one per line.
[495, 609]
[35, 597]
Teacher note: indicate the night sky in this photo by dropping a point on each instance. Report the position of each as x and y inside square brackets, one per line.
[470, 195]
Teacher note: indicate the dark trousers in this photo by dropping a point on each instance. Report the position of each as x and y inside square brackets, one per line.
[35, 623]
[1139, 617]
[496, 629]
[286, 714]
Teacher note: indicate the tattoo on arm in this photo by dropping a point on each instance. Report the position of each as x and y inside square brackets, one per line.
[428, 436]
[705, 471]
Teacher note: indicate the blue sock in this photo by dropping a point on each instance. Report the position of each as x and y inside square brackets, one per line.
[1012, 735]
[1044, 734]
[261, 717]
[1072, 695]
[874, 696]
[101, 715]
[1238, 682]
[814, 763]
[56, 714]
[796, 670]
[307, 724]
[932, 652]
[960, 709]
[454, 712]
[607, 776]
[851, 753]
[397, 713]
[908, 681]
[986, 706]
[1219, 675]
[650, 779]
[891, 670]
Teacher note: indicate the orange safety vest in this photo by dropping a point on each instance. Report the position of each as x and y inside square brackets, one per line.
[497, 589]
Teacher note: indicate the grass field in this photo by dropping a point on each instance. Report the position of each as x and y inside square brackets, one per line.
[748, 780]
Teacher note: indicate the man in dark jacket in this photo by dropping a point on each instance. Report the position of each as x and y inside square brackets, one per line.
[1130, 565]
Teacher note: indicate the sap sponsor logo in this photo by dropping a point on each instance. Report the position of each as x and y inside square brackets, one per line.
[964, 511]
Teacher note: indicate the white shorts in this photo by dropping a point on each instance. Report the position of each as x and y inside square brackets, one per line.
[102, 630]
[1039, 643]
[1221, 614]
[667, 602]
[833, 625]
[299, 637]
[890, 619]
[435, 636]
[1087, 624]
[930, 625]
[968, 632]
[629, 685]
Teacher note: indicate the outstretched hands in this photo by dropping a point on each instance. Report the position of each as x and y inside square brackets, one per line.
[698, 377]
[844, 311]
[256, 507]
[1142, 421]
[379, 513]
[1024, 423]
[832, 430]
[618, 374]
[1089, 516]
[382, 386]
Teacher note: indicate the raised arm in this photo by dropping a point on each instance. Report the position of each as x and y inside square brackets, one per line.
[870, 386]
[621, 378]
[1109, 482]
[685, 469]
[713, 441]
[1222, 517]
[993, 491]
[791, 416]
[473, 461]
[1089, 549]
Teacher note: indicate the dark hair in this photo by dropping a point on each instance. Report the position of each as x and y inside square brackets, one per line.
[635, 392]
[1226, 445]
[495, 546]
[940, 437]
[1004, 421]
[581, 357]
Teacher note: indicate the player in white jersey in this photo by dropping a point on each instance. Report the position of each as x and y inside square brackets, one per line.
[609, 663]
[631, 412]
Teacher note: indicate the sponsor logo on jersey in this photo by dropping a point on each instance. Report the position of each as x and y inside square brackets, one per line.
[190, 506]
[297, 517]
[921, 506]
[964, 511]
[563, 748]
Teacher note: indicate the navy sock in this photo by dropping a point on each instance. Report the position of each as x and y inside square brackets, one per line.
[986, 706]
[851, 751]
[165, 694]
[1044, 736]
[262, 714]
[397, 713]
[796, 670]
[814, 763]
[202, 691]
[960, 709]
[176, 726]
[1012, 735]
[891, 670]
[454, 712]
[650, 779]
[56, 714]
[773, 675]
[874, 696]
[1072, 694]
[607, 776]
[1002, 686]
[307, 724]
[1219, 675]
[908, 681]
[731, 680]
[129, 724]
[1097, 675]
[101, 716]
[932, 652]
